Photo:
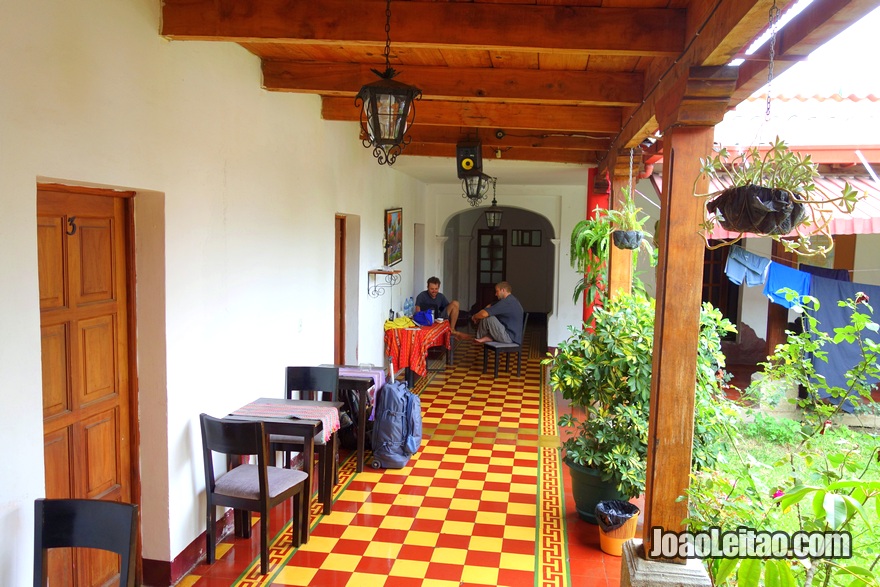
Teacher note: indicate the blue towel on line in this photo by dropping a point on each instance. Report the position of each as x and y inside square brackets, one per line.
[780, 276]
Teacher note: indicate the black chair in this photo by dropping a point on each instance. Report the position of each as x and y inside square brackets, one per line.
[249, 487]
[85, 523]
[320, 384]
[505, 348]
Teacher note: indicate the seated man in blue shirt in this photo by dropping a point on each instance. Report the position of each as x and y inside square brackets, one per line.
[432, 299]
[501, 321]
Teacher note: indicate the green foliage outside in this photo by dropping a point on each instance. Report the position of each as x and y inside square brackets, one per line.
[811, 476]
[607, 372]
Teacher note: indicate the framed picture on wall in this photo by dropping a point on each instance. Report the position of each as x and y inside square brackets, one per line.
[393, 236]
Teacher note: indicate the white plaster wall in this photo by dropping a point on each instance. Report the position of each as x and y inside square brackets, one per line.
[237, 192]
[866, 267]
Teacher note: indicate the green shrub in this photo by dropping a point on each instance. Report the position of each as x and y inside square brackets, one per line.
[772, 429]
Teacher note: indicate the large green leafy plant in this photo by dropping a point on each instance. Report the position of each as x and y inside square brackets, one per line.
[606, 372]
[824, 486]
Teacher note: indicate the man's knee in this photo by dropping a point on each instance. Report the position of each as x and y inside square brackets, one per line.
[453, 305]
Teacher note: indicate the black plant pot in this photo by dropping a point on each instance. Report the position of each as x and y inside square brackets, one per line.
[588, 490]
[758, 210]
[627, 239]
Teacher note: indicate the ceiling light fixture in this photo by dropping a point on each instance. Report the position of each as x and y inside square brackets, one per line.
[388, 109]
[475, 188]
[493, 214]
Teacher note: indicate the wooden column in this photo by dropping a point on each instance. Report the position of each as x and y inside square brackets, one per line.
[676, 331]
[620, 262]
[688, 116]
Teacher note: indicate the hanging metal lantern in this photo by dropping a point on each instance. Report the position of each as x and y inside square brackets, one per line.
[493, 214]
[475, 188]
[387, 111]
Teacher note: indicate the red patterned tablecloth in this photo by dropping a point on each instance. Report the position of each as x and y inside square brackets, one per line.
[329, 417]
[408, 347]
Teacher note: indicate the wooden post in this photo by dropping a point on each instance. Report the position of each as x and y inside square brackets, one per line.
[676, 331]
[620, 262]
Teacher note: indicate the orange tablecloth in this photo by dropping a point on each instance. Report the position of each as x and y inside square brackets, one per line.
[408, 347]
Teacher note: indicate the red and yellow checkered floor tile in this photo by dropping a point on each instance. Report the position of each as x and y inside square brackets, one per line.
[482, 502]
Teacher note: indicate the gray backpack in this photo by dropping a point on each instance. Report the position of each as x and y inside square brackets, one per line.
[397, 429]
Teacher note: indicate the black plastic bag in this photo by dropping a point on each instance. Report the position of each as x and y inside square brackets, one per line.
[613, 513]
[758, 210]
[627, 239]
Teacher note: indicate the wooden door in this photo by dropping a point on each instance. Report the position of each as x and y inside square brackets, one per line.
[491, 264]
[717, 288]
[82, 256]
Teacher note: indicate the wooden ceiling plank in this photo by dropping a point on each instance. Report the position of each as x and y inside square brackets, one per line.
[820, 21]
[587, 119]
[517, 154]
[534, 139]
[527, 86]
[724, 29]
[610, 31]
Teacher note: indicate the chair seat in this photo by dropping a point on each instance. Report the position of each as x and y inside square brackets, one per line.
[243, 481]
[502, 345]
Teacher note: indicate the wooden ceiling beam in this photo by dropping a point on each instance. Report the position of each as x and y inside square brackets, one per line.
[732, 24]
[526, 139]
[416, 149]
[598, 31]
[581, 119]
[820, 21]
[454, 83]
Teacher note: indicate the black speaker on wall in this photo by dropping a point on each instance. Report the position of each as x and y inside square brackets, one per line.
[468, 159]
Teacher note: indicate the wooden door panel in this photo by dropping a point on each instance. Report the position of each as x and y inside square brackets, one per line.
[56, 384]
[97, 359]
[97, 567]
[101, 459]
[50, 247]
[94, 260]
[57, 449]
[84, 326]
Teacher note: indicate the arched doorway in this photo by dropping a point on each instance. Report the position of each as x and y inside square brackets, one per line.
[520, 252]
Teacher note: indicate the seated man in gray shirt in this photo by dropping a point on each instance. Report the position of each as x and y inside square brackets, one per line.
[501, 321]
[432, 299]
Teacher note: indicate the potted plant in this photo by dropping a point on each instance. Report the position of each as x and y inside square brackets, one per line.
[772, 194]
[605, 373]
[628, 227]
[589, 253]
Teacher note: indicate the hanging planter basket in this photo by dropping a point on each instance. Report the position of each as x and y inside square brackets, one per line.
[758, 210]
[627, 239]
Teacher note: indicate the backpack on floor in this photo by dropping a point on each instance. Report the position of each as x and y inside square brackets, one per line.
[397, 429]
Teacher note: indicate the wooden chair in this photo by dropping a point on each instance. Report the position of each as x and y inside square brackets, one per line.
[85, 523]
[249, 487]
[505, 348]
[320, 384]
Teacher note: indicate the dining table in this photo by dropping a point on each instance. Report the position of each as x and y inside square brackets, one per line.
[407, 348]
[290, 417]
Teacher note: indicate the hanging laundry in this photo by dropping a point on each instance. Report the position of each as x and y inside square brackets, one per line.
[838, 274]
[781, 276]
[843, 355]
[745, 266]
